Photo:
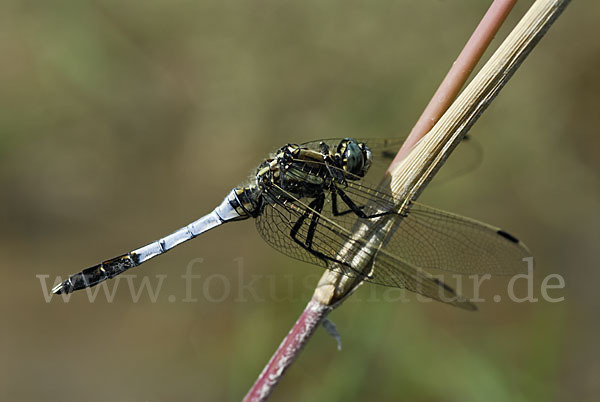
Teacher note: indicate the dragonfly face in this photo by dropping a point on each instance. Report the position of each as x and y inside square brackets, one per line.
[313, 202]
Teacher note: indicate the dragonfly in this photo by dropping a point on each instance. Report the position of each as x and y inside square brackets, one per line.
[317, 202]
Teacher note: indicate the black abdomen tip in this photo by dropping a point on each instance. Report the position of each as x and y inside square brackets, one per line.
[508, 236]
[63, 287]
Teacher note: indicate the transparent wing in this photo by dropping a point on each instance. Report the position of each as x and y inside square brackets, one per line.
[466, 158]
[433, 239]
[436, 240]
[275, 225]
[329, 236]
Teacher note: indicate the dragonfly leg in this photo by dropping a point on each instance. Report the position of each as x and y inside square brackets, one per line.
[317, 206]
[312, 228]
[328, 160]
[334, 206]
[356, 208]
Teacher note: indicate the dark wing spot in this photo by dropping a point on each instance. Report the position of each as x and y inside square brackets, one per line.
[508, 236]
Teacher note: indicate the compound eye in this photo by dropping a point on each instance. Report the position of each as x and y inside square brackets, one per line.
[353, 158]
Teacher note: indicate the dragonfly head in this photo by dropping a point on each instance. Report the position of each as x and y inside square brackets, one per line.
[356, 157]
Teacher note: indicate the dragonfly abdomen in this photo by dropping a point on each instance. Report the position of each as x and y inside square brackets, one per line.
[238, 205]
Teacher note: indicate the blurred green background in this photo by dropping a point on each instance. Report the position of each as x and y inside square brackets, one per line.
[122, 121]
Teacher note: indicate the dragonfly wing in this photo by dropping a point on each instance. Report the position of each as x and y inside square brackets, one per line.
[390, 270]
[437, 240]
[275, 226]
[333, 234]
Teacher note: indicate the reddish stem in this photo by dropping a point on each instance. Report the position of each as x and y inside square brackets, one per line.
[286, 353]
[458, 74]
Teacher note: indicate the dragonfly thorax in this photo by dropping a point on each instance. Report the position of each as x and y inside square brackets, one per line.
[296, 171]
